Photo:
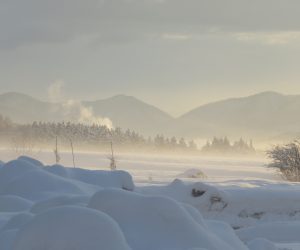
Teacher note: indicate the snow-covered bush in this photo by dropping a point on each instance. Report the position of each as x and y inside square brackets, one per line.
[286, 159]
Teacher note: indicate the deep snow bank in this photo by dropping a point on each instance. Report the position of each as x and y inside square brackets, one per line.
[71, 228]
[262, 244]
[7, 239]
[153, 222]
[273, 231]
[102, 178]
[17, 221]
[54, 207]
[29, 179]
[11, 203]
[63, 200]
[239, 206]
[200, 195]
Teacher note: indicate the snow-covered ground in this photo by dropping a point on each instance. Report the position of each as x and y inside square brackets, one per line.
[150, 203]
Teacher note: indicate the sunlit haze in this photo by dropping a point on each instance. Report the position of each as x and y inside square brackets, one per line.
[173, 54]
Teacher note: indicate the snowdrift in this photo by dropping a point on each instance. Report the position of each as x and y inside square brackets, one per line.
[118, 179]
[202, 196]
[153, 222]
[64, 200]
[239, 206]
[17, 221]
[273, 231]
[29, 179]
[70, 228]
[60, 208]
[11, 203]
[261, 244]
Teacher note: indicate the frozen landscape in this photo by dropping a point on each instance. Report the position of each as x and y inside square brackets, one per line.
[149, 203]
[149, 125]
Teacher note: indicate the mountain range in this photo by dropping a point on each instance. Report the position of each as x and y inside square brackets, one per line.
[267, 114]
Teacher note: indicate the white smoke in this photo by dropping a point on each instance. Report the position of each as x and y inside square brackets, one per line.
[75, 111]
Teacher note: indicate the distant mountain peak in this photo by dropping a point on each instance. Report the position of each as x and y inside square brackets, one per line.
[268, 93]
[14, 94]
[17, 96]
[122, 97]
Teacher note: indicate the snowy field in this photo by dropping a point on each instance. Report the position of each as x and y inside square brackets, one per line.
[150, 203]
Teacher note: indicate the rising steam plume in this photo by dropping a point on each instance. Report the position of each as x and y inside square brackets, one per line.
[74, 111]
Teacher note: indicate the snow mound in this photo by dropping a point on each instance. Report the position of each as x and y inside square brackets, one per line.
[274, 231]
[17, 221]
[31, 160]
[193, 173]
[159, 223]
[11, 203]
[261, 244]
[13, 170]
[102, 178]
[202, 196]
[27, 178]
[70, 228]
[195, 214]
[64, 200]
[34, 184]
[7, 239]
[226, 233]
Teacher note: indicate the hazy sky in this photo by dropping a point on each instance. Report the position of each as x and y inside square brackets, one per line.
[175, 54]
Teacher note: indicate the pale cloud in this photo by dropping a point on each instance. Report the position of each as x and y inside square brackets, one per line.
[192, 50]
[175, 36]
[269, 38]
[61, 21]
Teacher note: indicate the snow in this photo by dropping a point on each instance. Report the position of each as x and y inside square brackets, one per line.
[7, 238]
[154, 222]
[193, 173]
[261, 244]
[280, 232]
[29, 179]
[200, 195]
[15, 222]
[30, 160]
[226, 233]
[70, 228]
[240, 205]
[63, 200]
[120, 179]
[11, 203]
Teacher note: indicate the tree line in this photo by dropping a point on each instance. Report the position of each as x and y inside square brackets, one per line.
[89, 137]
[99, 137]
[224, 146]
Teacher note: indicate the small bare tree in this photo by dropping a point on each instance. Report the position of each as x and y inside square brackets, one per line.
[73, 156]
[286, 159]
[113, 163]
[56, 153]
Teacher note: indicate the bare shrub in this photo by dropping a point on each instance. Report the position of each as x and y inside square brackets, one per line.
[56, 152]
[286, 158]
[113, 162]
